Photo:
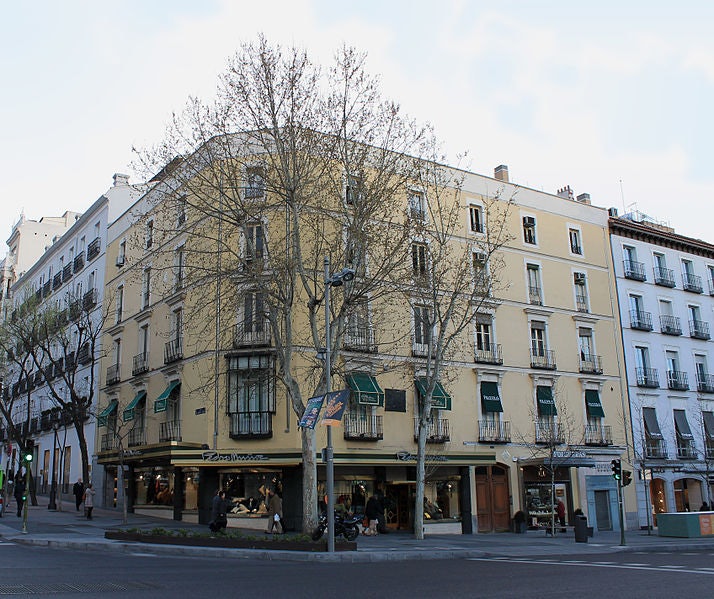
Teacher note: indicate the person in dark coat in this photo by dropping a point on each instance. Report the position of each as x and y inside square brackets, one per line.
[19, 492]
[219, 509]
[371, 512]
[78, 492]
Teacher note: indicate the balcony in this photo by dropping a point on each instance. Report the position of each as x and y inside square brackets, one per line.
[75, 309]
[89, 299]
[709, 447]
[581, 302]
[251, 425]
[692, 283]
[137, 436]
[598, 434]
[93, 248]
[46, 290]
[647, 377]
[705, 383]
[84, 355]
[140, 364]
[67, 272]
[677, 380]
[492, 431]
[57, 281]
[549, 432]
[173, 350]
[670, 325]
[655, 449]
[634, 270]
[711, 286]
[686, 450]
[253, 192]
[535, 296]
[543, 359]
[437, 431]
[360, 339]
[488, 353]
[590, 364]
[169, 431]
[664, 277]
[70, 361]
[251, 334]
[78, 262]
[420, 350]
[113, 374]
[109, 442]
[360, 427]
[698, 329]
[640, 320]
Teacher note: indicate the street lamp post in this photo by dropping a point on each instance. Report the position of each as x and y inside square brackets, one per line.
[52, 505]
[335, 280]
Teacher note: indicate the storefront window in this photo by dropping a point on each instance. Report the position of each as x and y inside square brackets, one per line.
[190, 484]
[154, 486]
[246, 491]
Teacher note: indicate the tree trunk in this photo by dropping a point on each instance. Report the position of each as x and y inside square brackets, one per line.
[420, 482]
[552, 500]
[309, 480]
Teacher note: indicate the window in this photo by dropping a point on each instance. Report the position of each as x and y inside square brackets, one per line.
[416, 204]
[419, 259]
[149, 234]
[585, 342]
[181, 211]
[535, 295]
[538, 344]
[179, 258]
[581, 292]
[177, 323]
[117, 352]
[254, 242]
[118, 314]
[121, 256]
[254, 312]
[710, 270]
[251, 400]
[483, 334]
[575, 243]
[529, 229]
[146, 288]
[422, 325]
[353, 190]
[255, 182]
[476, 219]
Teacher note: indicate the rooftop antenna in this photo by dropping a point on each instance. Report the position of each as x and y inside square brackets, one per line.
[622, 197]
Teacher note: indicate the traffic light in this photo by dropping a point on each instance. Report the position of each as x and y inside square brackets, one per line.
[626, 477]
[28, 452]
[616, 469]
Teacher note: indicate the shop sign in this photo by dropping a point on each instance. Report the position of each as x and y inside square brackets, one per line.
[405, 456]
[217, 456]
[130, 453]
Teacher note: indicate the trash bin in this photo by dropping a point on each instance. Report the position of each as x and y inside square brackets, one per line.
[581, 529]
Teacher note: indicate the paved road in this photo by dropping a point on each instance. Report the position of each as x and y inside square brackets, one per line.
[145, 575]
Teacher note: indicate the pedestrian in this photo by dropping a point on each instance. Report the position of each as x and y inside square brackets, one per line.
[371, 512]
[705, 507]
[19, 492]
[89, 493]
[275, 512]
[78, 492]
[219, 510]
[560, 508]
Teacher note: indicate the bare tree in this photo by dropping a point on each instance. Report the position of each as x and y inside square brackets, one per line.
[290, 164]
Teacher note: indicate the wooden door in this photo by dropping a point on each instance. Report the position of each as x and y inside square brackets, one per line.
[492, 499]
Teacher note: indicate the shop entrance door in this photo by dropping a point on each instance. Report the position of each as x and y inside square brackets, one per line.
[602, 510]
[492, 506]
[397, 505]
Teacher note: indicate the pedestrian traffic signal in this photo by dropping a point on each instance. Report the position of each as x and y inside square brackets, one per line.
[28, 452]
[616, 469]
[626, 477]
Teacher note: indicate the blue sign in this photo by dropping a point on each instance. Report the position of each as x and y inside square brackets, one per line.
[312, 412]
[336, 405]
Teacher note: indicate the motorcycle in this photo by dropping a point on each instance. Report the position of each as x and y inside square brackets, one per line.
[346, 526]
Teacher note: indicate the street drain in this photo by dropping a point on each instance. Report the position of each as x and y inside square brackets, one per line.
[60, 587]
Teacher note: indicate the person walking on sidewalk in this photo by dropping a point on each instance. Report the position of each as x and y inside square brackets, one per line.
[219, 512]
[89, 493]
[275, 512]
[19, 491]
[78, 492]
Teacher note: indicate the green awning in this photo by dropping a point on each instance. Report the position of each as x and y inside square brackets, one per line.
[546, 404]
[366, 389]
[490, 400]
[162, 400]
[440, 399]
[129, 410]
[593, 406]
[104, 415]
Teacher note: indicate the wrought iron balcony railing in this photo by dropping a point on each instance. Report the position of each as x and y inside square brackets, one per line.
[634, 270]
[549, 432]
[360, 339]
[664, 277]
[89, 299]
[543, 358]
[647, 377]
[173, 350]
[598, 434]
[113, 374]
[692, 283]
[67, 272]
[705, 383]
[535, 296]
[109, 441]
[686, 450]
[251, 425]
[670, 325]
[437, 431]
[137, 436]
[93, 248]
[493, 431]
[590, 363]
[169, 431]
[677, 380]
[656, 449]
[251, 334]
[360, 427]
[489, 353]
[581, 302]
[140, 364]
[698, 329]
[640, 320]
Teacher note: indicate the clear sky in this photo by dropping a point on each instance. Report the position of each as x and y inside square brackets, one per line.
[613, 98]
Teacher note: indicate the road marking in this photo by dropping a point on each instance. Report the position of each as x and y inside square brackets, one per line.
[601, 565]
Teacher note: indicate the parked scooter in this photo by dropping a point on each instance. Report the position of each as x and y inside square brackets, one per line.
[346, 526]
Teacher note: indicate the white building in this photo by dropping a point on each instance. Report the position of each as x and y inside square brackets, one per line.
[665, 284]
[70, 271]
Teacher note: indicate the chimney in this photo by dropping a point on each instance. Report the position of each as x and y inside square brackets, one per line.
[566, 193]
[501, 173]
[120, 179]
[584, 198]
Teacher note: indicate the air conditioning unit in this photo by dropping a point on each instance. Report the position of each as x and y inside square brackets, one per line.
[579, 278]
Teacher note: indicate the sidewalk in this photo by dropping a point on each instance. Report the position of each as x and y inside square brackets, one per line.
[69, 529]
